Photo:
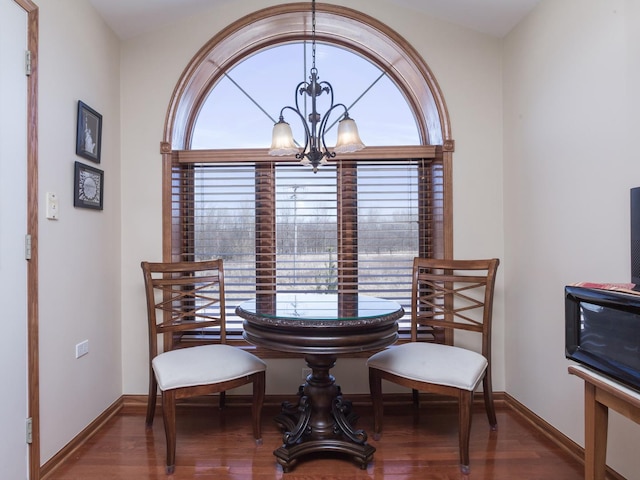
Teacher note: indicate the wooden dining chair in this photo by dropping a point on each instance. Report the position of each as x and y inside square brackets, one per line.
[450, 295]
[188, 296]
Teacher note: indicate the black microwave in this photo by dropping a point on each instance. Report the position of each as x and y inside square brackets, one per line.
[602, 332]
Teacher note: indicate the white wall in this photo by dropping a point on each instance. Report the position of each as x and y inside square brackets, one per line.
[151, 67]
[80, 252]
[570, 118]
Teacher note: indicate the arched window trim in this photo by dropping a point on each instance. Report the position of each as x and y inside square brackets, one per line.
[335, 25]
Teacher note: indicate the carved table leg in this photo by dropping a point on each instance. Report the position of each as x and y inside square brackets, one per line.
[321, 421]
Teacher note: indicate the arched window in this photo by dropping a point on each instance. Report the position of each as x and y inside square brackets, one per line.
[241, 108]
[354, 226]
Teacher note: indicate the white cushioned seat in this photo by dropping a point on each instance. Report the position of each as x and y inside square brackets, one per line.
[204, 364]
[432, 363]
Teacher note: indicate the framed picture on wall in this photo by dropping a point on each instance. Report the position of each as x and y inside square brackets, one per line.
[88, 188]
[88, 133]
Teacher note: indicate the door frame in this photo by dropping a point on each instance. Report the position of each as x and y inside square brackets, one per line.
[33, 380]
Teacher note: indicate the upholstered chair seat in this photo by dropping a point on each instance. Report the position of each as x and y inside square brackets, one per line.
[432, 363]
[189, 367]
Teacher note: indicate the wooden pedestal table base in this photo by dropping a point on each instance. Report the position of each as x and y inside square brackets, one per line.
[321, 420]
[321, 327]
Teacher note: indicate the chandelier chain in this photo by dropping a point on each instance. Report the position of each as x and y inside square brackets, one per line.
[313, 35]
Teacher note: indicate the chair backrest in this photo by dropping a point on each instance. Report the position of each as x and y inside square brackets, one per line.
[454, 294]
[183, 296]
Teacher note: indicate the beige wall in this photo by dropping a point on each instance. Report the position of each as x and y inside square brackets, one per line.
[569, 162]
[80, 252]
[151, 66]
[557, 86]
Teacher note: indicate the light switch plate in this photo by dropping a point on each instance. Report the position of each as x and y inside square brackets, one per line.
[52, 206]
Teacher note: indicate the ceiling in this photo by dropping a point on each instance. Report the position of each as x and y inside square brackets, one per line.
[129, 18]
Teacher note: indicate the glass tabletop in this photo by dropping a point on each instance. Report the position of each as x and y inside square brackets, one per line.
[320, 307]
[320, 324]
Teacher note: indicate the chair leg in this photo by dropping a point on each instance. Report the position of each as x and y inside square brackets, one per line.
[488, 401]
[375, 388]
[169, 416]
[259, 383]
[222, 400]
[151, 400]
[465, 415]
[415, 394]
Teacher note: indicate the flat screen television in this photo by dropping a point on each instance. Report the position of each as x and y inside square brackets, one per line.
[602, 332]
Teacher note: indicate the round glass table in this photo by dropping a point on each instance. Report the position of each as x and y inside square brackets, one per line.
[321, 327]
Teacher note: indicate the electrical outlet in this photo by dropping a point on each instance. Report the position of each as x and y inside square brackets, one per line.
[82, 348]
[305, 373]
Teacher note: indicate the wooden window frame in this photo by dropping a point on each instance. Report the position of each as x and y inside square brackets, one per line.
[430, 244]
[335, 25]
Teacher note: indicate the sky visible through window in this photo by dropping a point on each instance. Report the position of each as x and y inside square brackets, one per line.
[243, 106]
[240, 112]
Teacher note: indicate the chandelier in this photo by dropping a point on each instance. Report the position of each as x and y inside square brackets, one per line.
[315, 151]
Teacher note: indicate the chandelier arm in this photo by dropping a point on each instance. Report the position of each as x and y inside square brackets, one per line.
[329, 89]
[346, 109]
[307, 133]
[321, 131]
[344, 115]
[325, 119]
[300, 89]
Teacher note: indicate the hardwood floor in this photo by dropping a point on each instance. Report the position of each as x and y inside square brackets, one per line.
[415, 444]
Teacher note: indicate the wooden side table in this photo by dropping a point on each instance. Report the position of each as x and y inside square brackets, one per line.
[600, 394]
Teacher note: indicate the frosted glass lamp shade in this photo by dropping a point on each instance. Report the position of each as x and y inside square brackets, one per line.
[282, 142]
[348, 137]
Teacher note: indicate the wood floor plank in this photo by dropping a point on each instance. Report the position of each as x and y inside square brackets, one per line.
[422, 444]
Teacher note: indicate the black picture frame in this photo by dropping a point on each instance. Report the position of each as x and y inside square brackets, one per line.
[88, 187]
[88, 133]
